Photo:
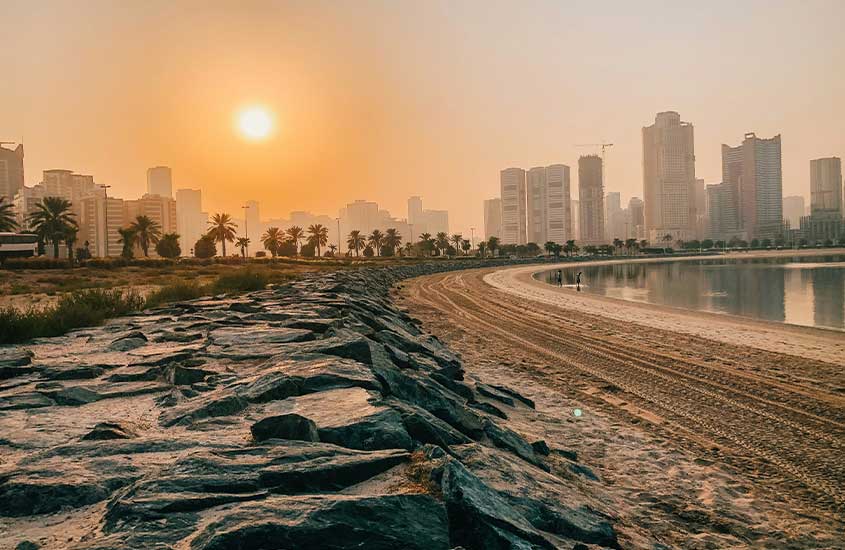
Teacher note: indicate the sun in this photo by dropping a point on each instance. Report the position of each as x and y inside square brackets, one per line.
[255, 123]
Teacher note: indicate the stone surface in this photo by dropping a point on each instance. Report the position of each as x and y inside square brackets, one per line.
[308, 415]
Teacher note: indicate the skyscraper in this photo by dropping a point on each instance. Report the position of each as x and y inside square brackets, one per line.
[793, 210]
[826, 187]
[755, 180]
[492, 218]
[636, 210]
[591, 199]
[614, 216]
[160, 181]
[669, 177]
[415, 211]
[11, 172]
[191, 222]
[558, 205]
[722, 212]
[512, 186]
[535, 182]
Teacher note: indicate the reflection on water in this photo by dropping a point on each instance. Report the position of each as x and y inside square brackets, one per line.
[801, 290]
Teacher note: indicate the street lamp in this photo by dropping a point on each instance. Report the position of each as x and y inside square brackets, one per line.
[106, 215]
[246, 228]
[338, 235]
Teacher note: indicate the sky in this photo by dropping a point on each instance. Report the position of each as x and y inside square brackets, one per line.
[384, 100]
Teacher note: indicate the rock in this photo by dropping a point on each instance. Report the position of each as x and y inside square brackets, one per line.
[75, 396]
[506, 438]
[424, 427]
[26, 545]
[135, 374]
[25, 401]
[585, 471]
[479, 517]
[413, 522]
[74, 372]
[215, 404]
[15, 357]
[108, 430]
[540, 447]
[349, 417]
[285, 426]
[133, 340]
[493, 393]
[185, 376]
[245, 307]
[521, 398]
[320, 326]
[260, 335]
[489, 409]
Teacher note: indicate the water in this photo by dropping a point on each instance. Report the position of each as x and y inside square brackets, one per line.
[807, 290]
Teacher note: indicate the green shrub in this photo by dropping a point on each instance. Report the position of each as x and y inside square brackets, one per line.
[177, 292]
[83, 308]
[245, 280]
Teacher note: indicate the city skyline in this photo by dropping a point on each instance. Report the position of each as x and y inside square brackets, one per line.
[166, 107]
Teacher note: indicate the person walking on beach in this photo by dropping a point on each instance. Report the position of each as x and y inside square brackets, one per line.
[578, 281]
[559, 277]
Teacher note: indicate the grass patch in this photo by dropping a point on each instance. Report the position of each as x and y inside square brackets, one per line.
[245, 280]
[82, 308]
[177, 292]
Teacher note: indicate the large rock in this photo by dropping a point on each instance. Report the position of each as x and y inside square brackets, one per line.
[413, 522]
[285, 426]
[349, 417]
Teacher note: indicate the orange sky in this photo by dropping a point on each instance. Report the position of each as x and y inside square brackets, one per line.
[381, 100]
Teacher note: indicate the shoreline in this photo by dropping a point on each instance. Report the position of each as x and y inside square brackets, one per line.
[816, 343]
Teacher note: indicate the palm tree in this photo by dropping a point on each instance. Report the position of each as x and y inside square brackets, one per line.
[409, 248]
[7, 219]
[426, 243]
[355, 241]
[375, 239]
[550, 247]
[457, 239]
[392, 239]
[630, 244]
[333, 248]
[273, 239]
[127, 239]
[441, 241]
[146, 232]
[493, 245]
[617, 243]
[570, 247]
[482, 248]
[667, 238]
[70, 240]
[295, 235]
[466, 246]
[242, 243]
[52, 220]
[222, 229]
[319, 236]
[643, 243]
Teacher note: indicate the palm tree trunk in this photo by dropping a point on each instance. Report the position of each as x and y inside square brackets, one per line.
[56, 249]
[224, 247]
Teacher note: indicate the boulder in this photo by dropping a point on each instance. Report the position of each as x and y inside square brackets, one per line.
[72, 372]
[285, 426]
[127, 342]
[75, 396]
[108, 430]
[349, 417]
[383, 522]
[25, 401]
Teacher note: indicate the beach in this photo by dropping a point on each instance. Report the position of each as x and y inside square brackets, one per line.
[712, 430]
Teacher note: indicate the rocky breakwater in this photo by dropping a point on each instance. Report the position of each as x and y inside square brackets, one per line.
[311, 415]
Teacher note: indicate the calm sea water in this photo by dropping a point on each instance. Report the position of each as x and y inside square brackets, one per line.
[804, 290]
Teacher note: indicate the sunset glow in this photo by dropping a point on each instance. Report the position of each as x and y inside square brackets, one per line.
[255, 123]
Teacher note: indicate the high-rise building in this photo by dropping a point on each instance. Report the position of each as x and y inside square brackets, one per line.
[436, 221]
[754, 176]
[191, 221]
[415, 210]
[591, 199]
[636, 214]
[492, 218]
[826, 187]
[58, 183]
[614, 216]
[793, 210]
[512, 187]
[25, 201]
[160, 181]
[360, 216]
[575, 209]
[669, 177]
[721, 212]
[558, 205]
[99, 221]
[160, 209]
[11, 172]
[536, 211]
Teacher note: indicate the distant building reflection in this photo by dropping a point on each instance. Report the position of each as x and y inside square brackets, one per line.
[779, 290]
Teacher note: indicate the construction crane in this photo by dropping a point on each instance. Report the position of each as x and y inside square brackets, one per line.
[603, 146]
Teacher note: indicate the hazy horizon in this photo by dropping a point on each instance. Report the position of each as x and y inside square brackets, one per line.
[384, 100]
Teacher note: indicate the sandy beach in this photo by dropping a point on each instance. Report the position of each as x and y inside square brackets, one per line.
[713, 431]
